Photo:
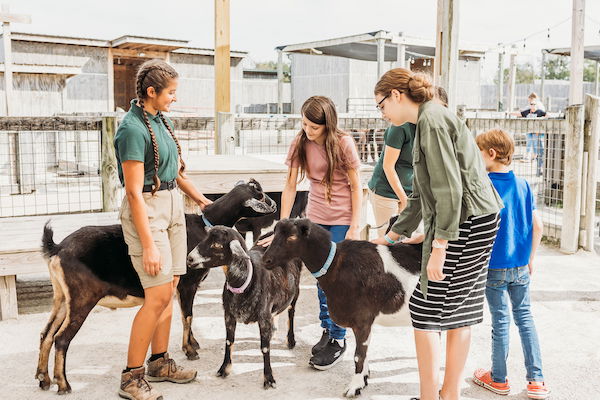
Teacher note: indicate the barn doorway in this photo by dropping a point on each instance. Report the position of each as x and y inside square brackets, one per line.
[125, 69]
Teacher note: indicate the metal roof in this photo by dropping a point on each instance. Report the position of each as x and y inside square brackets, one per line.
[364, 47]
[589, 52]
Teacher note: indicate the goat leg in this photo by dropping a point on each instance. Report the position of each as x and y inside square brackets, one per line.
[361, 368]
[230, 324]
[291, 340]
[76, 313]
[266, 331]
[56, 319]
[186, 290]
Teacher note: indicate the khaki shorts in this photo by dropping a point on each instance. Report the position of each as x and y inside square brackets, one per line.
[167, 224]
[383, 209]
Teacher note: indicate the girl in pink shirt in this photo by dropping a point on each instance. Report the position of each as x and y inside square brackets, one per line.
[328, 158]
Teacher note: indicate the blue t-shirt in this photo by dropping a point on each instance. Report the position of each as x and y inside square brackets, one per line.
[513, 242]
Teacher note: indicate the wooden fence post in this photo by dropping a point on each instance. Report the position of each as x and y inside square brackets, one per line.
[225, 133]
[569, 238]
[592, 137]
[110, 178]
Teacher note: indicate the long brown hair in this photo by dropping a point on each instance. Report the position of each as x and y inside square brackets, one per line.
[157, 74]
[416, 85]
[320, 110]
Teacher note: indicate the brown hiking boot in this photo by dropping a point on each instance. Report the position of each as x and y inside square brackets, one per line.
[135, 387]
[165, 369]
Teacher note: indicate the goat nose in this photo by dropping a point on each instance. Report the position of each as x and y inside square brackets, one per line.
[190, 259]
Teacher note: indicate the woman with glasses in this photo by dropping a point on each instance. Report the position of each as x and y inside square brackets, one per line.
[459, 207]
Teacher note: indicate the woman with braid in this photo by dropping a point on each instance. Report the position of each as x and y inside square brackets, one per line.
[150, 168]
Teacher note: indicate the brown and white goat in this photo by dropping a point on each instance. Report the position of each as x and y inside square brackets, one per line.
[360, 279]
[92, 266]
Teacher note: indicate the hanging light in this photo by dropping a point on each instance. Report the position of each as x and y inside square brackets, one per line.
[548, 33]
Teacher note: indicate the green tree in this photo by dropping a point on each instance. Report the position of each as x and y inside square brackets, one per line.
[525, 74]
[589, 71]
[557, 67]
[272, 66]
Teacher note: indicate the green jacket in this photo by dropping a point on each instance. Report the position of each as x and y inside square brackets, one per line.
[450, 182]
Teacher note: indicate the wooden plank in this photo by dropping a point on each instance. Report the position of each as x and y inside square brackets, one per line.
[31, 262]
[569, 238]
[500, 100]
[8, 297]
[446, 53]
[512, 78]
[110, 73]
[50, 123]
[8, 78]
[222, 62]
[577, 53]
[592, 134]
[109, 174]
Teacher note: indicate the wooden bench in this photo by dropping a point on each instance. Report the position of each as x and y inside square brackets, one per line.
[20, 242]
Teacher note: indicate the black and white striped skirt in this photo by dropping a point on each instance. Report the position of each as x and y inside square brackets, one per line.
[457, 301]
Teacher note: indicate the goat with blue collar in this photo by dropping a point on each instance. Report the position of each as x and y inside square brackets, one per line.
[360, 279]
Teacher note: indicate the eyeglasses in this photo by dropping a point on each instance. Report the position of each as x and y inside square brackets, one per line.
[378, 106]
[532, 104]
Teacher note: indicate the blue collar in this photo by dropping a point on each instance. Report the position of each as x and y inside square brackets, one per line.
[327, 264]
[206, 222]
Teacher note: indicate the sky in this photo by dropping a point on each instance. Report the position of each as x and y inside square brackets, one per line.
[258, 26]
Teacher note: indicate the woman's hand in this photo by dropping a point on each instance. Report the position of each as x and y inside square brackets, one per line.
[203, 202]
[352, 233]
[151, 260]
[266, 241]
[416, 238]
[435, 265]
[380, 240]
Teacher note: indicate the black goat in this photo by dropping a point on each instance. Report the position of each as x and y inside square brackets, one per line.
[92, 266]
[360, 279]
[260, 224]
[251, 293]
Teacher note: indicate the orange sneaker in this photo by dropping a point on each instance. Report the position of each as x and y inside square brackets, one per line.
[537, 390]
[483, 378]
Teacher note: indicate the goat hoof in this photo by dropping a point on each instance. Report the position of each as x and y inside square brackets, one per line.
[223, 372]
[65, 390]
[352, 393]
[194, 343]
[366, 378]
[269, 383]
[45, 384]
[291, 343]
[191, 354]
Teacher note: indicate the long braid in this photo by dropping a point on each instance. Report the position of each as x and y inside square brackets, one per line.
[140, 96]
[164, 120]
[155, 178]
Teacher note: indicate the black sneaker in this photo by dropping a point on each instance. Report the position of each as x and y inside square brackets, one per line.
[322, 342]
[329, 356]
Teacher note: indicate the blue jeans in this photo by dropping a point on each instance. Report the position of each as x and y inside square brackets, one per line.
[338, 233]
[504, 285]
[535, 145]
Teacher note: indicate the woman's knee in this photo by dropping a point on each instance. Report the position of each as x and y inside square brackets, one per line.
[158, 298]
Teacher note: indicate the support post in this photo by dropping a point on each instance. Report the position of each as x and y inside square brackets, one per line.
[222, 64]
[279, 82]
[446, 49]
[109, 174]
[592, 136]
[577, 36]
[573, 164]
[501, 81]
[512, 77]
[110, 65]
[401, 58]
[597, 83]
[543, 78]
[226, 130]
[380, 56]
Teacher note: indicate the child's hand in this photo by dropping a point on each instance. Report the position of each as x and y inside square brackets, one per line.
[530, 266]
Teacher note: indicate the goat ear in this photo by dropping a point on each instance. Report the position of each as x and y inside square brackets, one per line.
[304, 227]
[238, 183]
[238, 250]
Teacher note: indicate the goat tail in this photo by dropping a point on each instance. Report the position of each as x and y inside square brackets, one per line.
[49, 248]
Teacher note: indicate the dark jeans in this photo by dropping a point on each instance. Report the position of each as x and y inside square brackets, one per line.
[338, 233]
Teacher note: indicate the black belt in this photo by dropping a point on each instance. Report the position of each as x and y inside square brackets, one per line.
[163, 186]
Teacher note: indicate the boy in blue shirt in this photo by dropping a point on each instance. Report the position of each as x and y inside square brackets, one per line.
[511, 266]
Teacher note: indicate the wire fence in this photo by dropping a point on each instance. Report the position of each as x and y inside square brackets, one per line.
[538, 158]
[52, 165]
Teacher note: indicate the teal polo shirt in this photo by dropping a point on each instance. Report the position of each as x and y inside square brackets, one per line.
[133, 142]
[401, 138]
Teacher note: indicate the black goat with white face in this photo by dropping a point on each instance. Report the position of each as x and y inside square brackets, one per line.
[360, 279]
[92, 266]
[251, 293]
